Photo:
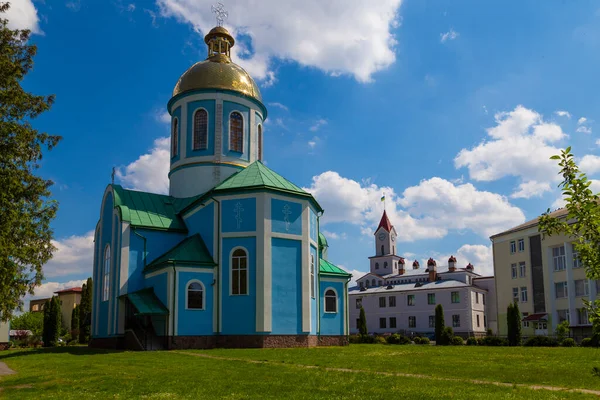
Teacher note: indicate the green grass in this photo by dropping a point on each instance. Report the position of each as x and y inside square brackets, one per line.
[81, 373]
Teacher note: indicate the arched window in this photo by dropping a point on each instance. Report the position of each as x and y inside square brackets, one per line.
[312, 276]
[106, 278]
[200, 130]
[195, 296]
[174, 137]
[239, 272]
[260, 150]
[381, 249]
[376, 265]
[373, 283]
[330, 301]
[236, 132]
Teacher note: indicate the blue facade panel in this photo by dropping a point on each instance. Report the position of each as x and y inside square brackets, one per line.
[228, 108]
[286, 217]
[313, 300]
[192, 107]
[195, 321]
[176, 114]
[238, 311]
[203, 222]
[332, 323]
[313, 225]
[286, 278]
[105, 240]
[238, 215]
[159, 284]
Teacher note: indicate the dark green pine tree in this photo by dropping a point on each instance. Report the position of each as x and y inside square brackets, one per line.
[439, 324]
[513, 324]
[362, 322]
[85, 312]
[75, 323]
[46, 336]
[52, 322]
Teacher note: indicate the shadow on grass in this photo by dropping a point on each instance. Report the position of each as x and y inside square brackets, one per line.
[72, 350]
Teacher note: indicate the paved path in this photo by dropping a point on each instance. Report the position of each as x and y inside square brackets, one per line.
[4, 370]
[439, 378]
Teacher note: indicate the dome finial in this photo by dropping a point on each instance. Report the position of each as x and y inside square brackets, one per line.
[220, 13]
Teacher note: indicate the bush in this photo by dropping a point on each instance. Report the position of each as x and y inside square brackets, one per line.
[488, 332]
[493, 341]
[472, 341]
[354, 339]
[541, 341]
[587, 342]
[73, 342]
[568, 342]
[445, 337]
[424, 340]
[457, 341]
[393, 339]
[367, 339]
[380, 340]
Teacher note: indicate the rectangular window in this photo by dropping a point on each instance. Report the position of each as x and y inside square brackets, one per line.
[392, 322]
[432, 321]
[521, 245]
[392, 301]
[513, 271]
[382, 323]
[412, 322]
[476, 297]
[478, 320]
[430, 298]
[582, 287]
[558, 256]
[455, 296]
[582, 316]
[456, 321]
[484, 321]
[524, 294]
[513, 247]
[576, 262]
[382, 302]
[522, 269]
[483, 298]
[515, 294]
[410, 300]
[563, 315]
[525, 323]
[358, 303]
[560, 289]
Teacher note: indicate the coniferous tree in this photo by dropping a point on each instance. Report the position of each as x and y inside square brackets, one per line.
[439, 324]
[25, 204]
[362, 322]
[75, 323]
[513, 323]
[52, 322]
[85, 312]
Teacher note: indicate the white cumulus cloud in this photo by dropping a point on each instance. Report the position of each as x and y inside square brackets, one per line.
[74, 255]
[351, 37]
[581, 120]
[450, 35]
[149, 173]
[529, 189]
[590, 164]
[584, 129]
[563, 113]
[22, 14]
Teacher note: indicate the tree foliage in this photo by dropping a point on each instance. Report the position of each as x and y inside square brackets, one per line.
[513, 322]
[362, 322]
[52, 322]
[439, 324]
[29, 321]
[75, 323]
[582, 223]
[25, 207]
[85, 312]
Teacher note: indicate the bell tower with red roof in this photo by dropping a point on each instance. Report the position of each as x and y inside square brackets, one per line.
[385, 260]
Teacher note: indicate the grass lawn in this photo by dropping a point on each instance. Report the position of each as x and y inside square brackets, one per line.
[81, 373]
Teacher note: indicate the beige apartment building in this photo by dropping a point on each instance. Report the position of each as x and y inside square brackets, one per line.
[69, 298]
[543, 274]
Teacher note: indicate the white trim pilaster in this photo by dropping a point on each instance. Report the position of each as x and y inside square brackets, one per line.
[267, 267]
[260, 261]
[183, 131]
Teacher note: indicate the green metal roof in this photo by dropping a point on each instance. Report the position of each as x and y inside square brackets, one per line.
[146, 303]
[190, 251]
[327, 268]
[322, 241]
[150, 210]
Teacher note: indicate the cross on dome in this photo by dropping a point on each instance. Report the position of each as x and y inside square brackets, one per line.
[220, 13]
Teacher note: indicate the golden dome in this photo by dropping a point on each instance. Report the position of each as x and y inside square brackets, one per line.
[218, 71]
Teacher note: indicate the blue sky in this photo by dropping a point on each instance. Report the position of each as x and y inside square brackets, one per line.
[451, 109]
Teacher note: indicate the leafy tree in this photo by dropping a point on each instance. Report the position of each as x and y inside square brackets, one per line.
[362, 322]
[29, 321]
[52, 322]
[75, 323]
[25, 233]
[513, 322]
[439, 324]
[85, 312]
[582, 223]
[562, 331]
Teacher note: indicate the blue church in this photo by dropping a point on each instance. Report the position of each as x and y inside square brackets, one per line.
[233, 256]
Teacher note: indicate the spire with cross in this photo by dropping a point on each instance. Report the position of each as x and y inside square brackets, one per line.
[220, 13]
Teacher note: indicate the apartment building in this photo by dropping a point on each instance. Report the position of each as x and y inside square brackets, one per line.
[69, 298]
[543, 274]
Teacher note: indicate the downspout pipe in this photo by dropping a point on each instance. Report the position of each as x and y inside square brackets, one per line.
[174, 302]
[319, 215]
[144, 239]
[218, 261]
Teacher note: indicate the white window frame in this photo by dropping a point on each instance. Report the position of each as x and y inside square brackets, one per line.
[312, 276]
[513, 271]
[560, 261]
[432, 321]
[513, 247]
[576, 261]
[429, 296]
[231, 272]
[106, 273]
[187, 288]
[519, 247]
[586, 287]
[410, 297]
[229, 129]
[194, 128]
[583, 312]
[565, 290]
[412, 318]
[515, 294]
[453, 296]
[175, 137]
[522, 269]
[456, 320]
[523, 297]
[325, 300]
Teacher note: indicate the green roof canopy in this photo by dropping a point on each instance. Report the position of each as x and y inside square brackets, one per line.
[327, 268]
[322, 241]
[150, 210]
[190, 251]
[146, 303]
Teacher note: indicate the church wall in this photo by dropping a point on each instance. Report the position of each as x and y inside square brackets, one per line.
[286, 280]
[228, 108]
[115, 274]
[332, 323]
[159, 282]
[313, 301]
[238, 215]
[176, 114]
[314, 228]
[202, 222]
[192, 107]
[106, 228]
[191, 321]
[238, 312]
[286, 217]
[157, 243]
